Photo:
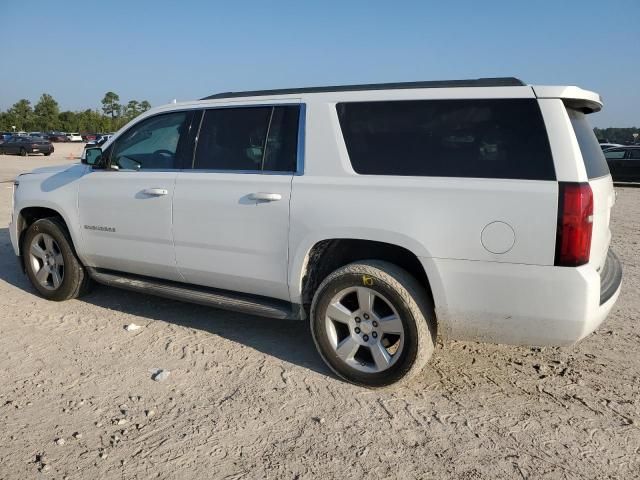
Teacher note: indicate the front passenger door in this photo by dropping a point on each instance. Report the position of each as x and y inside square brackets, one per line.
[126, 208]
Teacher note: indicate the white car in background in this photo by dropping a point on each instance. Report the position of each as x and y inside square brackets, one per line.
[383, 215]
[604, 146]
[74, 137]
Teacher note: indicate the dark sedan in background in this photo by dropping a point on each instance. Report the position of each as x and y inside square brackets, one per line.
[58, 137]
[624, 163]
[26, 146]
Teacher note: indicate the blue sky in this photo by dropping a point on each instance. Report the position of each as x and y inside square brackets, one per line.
[159, 50]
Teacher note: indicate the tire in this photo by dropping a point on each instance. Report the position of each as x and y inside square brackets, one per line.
[47, 154]
[23, 152]
[396, 296]
[73, 279]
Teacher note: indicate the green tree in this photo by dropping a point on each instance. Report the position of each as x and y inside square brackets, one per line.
[68, 121]
[132, 110]
[616, 135]
[110, 106]
[46, 113]
[5, 122]
[144, 106]
[91, 121]
[21, 115]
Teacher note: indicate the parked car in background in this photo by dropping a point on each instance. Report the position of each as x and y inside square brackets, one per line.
[604, 146]
[624, 163]
[101, 139]
[58, 137]
[95, 143]
[43, 136]
[74, 137]
[27, 146]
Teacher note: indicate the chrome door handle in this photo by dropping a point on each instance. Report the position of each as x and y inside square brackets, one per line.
[156, 192]
[265, 197]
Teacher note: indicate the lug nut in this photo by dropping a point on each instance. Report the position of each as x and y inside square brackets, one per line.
[366, 338]
[374, 323]
[357, 319]
[357, 330]
[374, 334]
[366, 316]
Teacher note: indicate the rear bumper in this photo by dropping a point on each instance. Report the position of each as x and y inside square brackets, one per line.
[521, 304]
[610, 277]
[41, 149]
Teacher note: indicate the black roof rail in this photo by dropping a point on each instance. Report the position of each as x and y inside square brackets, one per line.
[479, 82]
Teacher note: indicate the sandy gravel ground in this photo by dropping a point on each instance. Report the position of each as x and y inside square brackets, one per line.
[249, 397]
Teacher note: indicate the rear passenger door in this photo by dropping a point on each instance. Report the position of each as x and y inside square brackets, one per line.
[231, 209]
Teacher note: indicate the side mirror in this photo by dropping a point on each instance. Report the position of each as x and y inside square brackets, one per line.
[92, 156]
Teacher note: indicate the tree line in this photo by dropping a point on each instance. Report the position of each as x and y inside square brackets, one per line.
[45, 115]
[623, 136]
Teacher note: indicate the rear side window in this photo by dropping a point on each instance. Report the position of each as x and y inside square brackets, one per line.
[248, 139]
[493, 138]
[594, 160]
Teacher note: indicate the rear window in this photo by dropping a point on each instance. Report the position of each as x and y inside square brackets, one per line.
[594, 161]
[487, 138]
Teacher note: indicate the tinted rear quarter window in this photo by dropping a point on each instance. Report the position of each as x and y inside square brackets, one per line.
[594, 160]
[487, 138]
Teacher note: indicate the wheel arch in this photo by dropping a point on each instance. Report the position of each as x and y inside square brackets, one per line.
[328, 254]
[30, 214]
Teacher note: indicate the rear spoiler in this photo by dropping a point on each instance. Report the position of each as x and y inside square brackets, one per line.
[574, 97]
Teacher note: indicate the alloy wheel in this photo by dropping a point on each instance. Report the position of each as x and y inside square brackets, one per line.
[47, 261]
[364, 329]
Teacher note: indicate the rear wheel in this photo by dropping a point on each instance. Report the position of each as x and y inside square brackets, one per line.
[47, 154]
[51, 262]
[23, 152]
[373, 324]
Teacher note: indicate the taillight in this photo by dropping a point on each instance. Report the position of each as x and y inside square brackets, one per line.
[575, 224]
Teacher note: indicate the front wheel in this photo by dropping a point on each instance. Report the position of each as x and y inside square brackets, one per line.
[23, 152]
[373, 323]
[51, 262]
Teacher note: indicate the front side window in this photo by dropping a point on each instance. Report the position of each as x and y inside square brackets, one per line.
[614, 154]
[156, 143]
[248, 139]
[484, 138]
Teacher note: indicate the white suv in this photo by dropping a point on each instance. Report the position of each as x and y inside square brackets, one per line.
[382, 214]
